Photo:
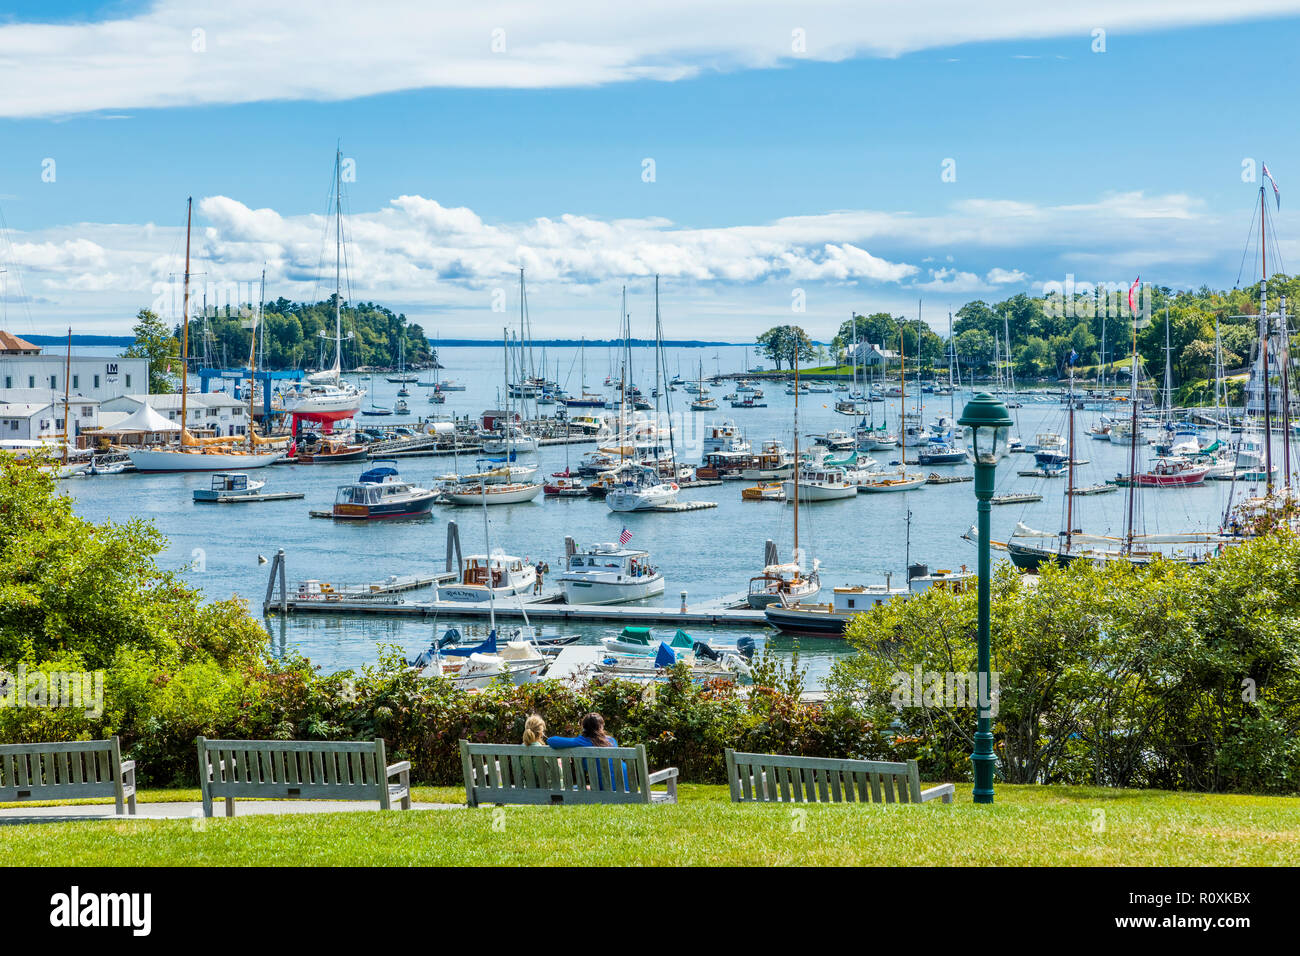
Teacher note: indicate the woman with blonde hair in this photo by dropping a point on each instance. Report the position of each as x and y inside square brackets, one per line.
[534, 731]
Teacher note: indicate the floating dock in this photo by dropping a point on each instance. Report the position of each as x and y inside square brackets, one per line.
[683, 506]
[604, 613]
[234, 499]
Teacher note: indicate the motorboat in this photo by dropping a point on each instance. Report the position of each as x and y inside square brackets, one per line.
[941, 453]
[821, 484]
[490, 577]
[320, 450]
[566, 486]
[516, 440]
[704, 663]
[764, 491]
[227, 485]
[610, 574]
[381, 493]
[1167, 473]
[775, 462]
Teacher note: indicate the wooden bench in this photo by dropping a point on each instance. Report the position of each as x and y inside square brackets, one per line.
[511, 773]
[300, 770]
[773, 778]
[67, 771]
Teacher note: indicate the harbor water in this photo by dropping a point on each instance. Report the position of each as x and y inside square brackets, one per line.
[708, 554]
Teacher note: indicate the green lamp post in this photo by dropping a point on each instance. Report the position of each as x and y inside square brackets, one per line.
[987, 426]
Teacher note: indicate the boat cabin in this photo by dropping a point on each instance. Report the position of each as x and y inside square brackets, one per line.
[490, 572]
[611, 559]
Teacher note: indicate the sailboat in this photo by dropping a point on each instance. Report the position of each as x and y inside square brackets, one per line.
[498, 493]
[206, 454]
[787, 583]
[325, 397]
[901, 480]
[403, 377]
[703, 401]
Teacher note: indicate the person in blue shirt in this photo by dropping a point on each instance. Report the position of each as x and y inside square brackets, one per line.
[593, 735]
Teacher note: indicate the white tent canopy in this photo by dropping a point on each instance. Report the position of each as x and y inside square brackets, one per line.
[145, 419]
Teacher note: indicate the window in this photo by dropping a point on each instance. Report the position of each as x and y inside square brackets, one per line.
[87, 411]
[238, 410]
[128, 381]
[851, 602]
[31, 381]
[96, 381]
[9, 381]
[58, 423]
[76, 381]
[212, 413]
[54, 381]
[13, 424]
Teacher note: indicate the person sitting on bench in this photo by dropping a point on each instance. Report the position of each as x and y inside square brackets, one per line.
[593, 735]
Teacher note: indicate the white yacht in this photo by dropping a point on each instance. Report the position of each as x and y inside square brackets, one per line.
[609, 574]
[517, 440]
[773, 463]
[724, 436]
[488, 577]
[642, 490]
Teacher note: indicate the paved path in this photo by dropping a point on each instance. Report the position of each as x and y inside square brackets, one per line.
[188, 810]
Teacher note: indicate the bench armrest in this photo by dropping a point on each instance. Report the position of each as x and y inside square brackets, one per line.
[944, 792]
[402, 767]
[128, 766]
[669, 776]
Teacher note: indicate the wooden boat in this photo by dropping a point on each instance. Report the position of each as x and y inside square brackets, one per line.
[764, 491]
[1167, 473]
[878, 482]
[330, 451]
[380, 493]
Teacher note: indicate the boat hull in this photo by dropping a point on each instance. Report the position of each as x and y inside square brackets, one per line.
[578, 591]
[794, 621]
[176, 461]
[414, 508]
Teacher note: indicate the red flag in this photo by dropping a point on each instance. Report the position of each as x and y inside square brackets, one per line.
[1131, 307]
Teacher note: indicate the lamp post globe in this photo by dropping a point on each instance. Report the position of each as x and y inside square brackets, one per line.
[987, 425]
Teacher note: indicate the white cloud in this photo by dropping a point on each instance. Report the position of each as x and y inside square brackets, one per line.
[246, 51]
[419, 256]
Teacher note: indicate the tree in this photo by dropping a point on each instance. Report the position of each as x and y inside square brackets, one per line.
[157, 343]
[974, 348]
[781, 343]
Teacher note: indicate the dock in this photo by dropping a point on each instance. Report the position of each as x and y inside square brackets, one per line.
[234, 499]
[536, 612]
[683, 506]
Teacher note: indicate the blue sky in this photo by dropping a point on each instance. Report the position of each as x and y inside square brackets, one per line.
[1104, 165]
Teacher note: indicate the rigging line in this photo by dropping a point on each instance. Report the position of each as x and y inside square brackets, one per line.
[1250, 235]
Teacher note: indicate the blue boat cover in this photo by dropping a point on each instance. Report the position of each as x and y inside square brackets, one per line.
[376, 476]
[487, 647]
[665, 657]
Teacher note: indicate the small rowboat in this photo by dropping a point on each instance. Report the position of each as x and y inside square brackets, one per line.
[764, 491]
[891, 482]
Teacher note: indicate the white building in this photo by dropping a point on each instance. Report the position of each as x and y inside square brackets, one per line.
[24, 366]
[869, 354]
[214, 412]
[31, 414]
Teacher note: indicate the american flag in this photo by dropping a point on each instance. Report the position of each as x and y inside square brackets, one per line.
[1277, 193]
[624, 537]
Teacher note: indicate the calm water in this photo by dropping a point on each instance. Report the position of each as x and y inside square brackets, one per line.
[709, 554]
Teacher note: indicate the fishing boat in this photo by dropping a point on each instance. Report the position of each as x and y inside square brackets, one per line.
[400, 407]
[489, 577]
[830, 619]
[228, 485]
[381, 493]
[817, 483]
[610, 574]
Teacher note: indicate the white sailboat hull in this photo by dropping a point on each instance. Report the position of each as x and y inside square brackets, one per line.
[510, 494]
[640, 499]
[151, 460]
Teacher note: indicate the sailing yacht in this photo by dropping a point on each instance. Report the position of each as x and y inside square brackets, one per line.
[641, 490]
[205, 454]
[324, 397]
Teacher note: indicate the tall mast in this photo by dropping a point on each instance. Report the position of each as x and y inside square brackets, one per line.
[1284, 353]
[797, 463]
[1263, 349]
[67, 384]
[1132, 438]
[1069, 491]
[252, 376]
[902, 390]
[185, 327]
[338, 266]
[1169, 373]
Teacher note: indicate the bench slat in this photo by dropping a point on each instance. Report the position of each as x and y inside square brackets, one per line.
[780, 778]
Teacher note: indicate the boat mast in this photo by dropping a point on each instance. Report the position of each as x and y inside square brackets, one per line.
[797, 463]
[67, 384]
[338, 267]
[1284, 353]
[1069, 491]
[902, 393]
[622, 385]
[185, 327]
[1263, 351]
[1132, 439]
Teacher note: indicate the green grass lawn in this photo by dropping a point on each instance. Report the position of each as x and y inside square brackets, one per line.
[1027, 826]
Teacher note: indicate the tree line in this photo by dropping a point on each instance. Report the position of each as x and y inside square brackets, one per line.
[1045, 332]
[293, 335]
